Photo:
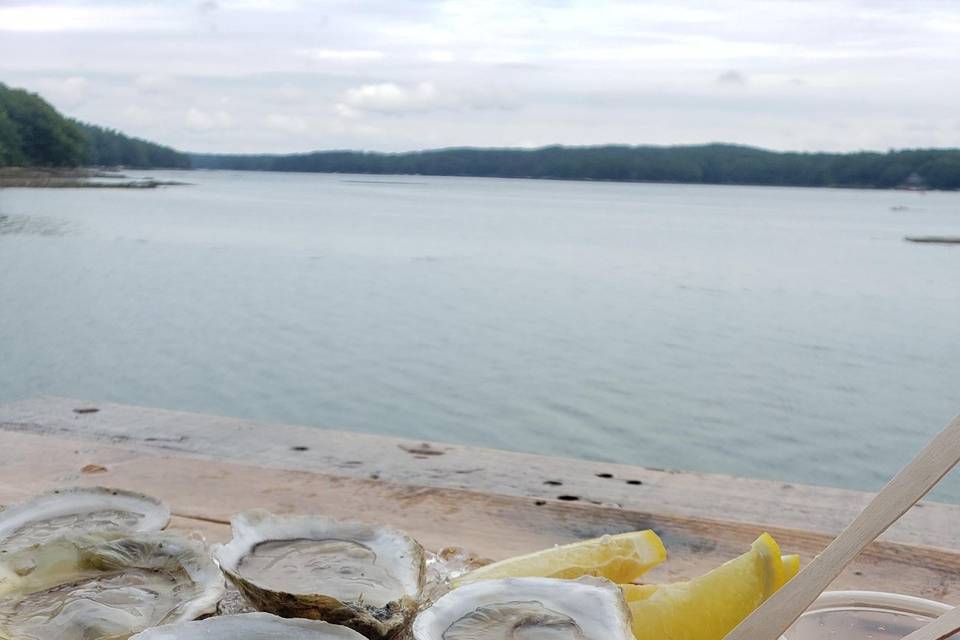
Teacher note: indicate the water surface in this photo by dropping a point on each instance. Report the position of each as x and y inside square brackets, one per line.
[774, 332]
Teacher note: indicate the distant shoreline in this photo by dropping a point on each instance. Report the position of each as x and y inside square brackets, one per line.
[716, 164]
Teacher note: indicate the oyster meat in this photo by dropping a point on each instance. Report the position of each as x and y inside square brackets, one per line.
[522, 608]
[366, 577]
[105, 586]
[79, 510]
[250, 626]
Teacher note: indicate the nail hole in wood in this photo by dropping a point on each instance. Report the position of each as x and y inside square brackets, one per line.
[540, 503]
[568, 498]
[86, 410]
[604, 475]
[634, 481]
[300, 448]
[553, 483]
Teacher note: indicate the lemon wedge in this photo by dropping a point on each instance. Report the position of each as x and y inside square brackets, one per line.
[791, 566]
[709, 607]
[621, 558]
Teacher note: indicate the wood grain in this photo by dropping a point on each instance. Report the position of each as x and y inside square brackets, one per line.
[940, 629]
[363, 456]
[204, 494]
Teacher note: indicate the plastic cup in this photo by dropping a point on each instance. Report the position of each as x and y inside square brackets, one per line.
[864, 615]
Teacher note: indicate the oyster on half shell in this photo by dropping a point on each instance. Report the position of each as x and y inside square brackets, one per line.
[105, 586]
[250, 626]
[535, 608]
[78, 510]
[366, 577]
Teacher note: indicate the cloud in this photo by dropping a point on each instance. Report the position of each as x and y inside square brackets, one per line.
[68, 92]
[343, 54]
[438, 72]
[288, 124]
[53, 18]
[205, 120]
[155, 83]
[261, 5]
[138, 115]
[75, 87]
[390, 98]
[732, 77]
[438, 55]
[346, 111]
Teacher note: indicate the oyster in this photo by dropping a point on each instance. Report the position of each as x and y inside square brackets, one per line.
[250, 626]
[541, 608]
[365, 577]
[79, 510]
[106, 585]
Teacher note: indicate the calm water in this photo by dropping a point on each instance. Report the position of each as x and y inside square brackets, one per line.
[779, 333]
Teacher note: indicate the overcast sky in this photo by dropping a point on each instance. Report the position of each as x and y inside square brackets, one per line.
[291, 75]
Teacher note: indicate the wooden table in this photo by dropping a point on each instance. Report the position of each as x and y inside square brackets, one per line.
[494, 503]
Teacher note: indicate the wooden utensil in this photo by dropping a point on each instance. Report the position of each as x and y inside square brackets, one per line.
[941, 628]
[775, 615]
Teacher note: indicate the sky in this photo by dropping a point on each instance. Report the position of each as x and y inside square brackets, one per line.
[392, 75]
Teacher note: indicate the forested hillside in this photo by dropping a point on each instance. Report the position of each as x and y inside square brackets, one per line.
[34, 134]
[707, 164]
[109, 148]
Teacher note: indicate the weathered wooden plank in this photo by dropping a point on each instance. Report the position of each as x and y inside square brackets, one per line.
[353, 455]
[203, 494]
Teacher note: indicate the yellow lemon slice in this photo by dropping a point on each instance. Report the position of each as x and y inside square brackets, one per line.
[791, 566]
[709, 607]
[621, 558]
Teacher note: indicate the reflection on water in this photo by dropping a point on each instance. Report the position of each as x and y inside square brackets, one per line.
[21, 225]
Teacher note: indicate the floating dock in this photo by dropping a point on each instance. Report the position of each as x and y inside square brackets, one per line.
[493, 503]
[933, 239]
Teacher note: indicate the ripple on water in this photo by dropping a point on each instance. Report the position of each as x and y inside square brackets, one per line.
[18, 224]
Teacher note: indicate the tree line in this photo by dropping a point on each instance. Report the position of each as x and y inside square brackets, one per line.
[34, 134]
[703, 164]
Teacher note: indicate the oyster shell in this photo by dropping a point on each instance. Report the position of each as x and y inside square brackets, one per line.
[79, 510]
[250, 626]
[365, 577]
[106, 585]
[541, 608]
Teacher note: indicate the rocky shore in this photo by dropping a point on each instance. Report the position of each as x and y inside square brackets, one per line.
[43, 178]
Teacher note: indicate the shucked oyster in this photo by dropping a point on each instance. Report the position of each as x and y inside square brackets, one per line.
[541, 608]
[79, 510]
[105, 586]
[250, 626]
[365, 577]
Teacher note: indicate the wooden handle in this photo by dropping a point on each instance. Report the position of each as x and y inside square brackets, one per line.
[940, 629]
[775, 615]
